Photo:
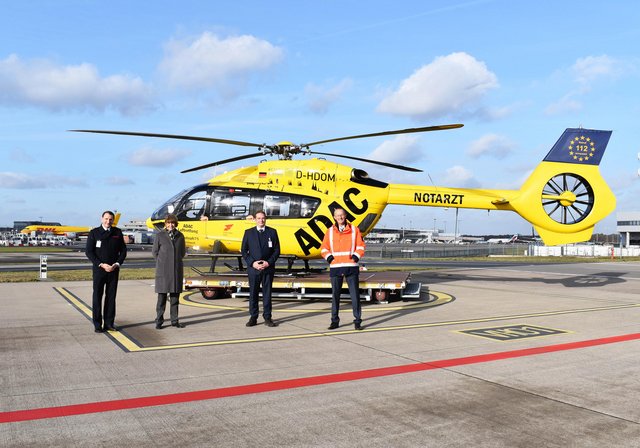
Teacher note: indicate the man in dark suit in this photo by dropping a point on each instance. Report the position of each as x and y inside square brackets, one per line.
[107, 250]
[260, 250]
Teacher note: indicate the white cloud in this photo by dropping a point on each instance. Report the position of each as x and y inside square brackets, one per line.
[492, 145]
[119, 180]
[42, 83]
[591, 68]
[460, 177]
[156, 157]
[319, 98]
[566, 104]
[211, 62]
[21, 181]
[450, 84]
[585, 73]
[402, 149]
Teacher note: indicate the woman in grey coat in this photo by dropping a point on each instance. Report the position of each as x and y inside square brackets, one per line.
[169, 249]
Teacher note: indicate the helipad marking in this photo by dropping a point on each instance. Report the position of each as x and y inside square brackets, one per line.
[513, 332]
[185, 299]
[129, 344]
[295, 383]
[125, 342]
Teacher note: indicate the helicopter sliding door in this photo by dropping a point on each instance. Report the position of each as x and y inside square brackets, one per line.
[230, 203]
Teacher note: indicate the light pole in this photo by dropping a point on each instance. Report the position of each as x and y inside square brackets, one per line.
[455, 231]
[404, 219]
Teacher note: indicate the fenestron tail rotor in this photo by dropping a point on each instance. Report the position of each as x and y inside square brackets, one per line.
[283, 150]
[567, 198]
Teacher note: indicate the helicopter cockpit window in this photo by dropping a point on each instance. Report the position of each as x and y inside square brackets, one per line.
[230, 205]
[308, 207]
[169, 206]
[277, 205]
[193, 206]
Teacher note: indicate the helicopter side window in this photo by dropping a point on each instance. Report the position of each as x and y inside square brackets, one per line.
[308, 207]
[230, 205]
[277, 205]
[193, 207]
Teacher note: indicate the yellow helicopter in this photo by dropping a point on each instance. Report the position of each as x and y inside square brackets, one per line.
[563, 198]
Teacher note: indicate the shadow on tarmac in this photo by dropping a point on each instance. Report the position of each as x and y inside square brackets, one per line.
[578, 281]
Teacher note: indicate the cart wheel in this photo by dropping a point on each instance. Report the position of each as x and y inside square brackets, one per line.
[212, 293]
[382, 296]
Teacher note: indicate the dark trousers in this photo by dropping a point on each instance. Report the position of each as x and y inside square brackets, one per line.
[104, 283]
[173, 307]
[258, 280]
[354, 292]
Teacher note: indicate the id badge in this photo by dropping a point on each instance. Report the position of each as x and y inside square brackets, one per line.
[98, 243]
[270, 243]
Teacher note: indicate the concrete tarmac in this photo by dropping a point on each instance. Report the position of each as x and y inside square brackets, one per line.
[511, 356]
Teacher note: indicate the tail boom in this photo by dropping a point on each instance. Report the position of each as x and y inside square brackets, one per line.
[563, 198]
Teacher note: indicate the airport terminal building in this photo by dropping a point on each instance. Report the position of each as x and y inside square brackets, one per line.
[628, 226]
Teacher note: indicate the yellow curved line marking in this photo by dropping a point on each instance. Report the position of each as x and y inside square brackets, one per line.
[440, 299]
[131, 346]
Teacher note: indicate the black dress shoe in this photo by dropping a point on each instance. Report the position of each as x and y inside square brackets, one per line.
[334, 325]
[357, 326]
[178, 325]
[252, 322]
[270, 323]
[99, 330]
[111, 329]
[158, 326]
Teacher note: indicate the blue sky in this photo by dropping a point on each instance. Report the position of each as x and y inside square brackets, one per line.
[515, 73]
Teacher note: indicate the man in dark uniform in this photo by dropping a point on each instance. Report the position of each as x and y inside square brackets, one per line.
[107, 250]
[260, 250]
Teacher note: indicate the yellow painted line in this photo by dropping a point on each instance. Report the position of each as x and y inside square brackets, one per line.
[119, 337]
[129, 345]
[440, 299]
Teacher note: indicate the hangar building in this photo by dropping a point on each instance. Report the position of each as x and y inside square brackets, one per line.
[628, 226]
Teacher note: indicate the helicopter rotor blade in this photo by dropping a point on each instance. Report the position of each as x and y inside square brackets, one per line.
[376, 162]
[377, 134]
[179, 137]
[221, 162]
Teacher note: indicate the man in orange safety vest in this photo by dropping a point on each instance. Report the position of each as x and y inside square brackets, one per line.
[343, 248]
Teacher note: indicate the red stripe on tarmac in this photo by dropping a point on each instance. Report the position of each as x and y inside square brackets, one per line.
[185, 397]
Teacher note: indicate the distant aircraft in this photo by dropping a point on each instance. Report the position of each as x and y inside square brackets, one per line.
[68, 231]
[527, 239]
[503, 240]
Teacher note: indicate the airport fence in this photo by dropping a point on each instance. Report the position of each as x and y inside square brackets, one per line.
[386, 250]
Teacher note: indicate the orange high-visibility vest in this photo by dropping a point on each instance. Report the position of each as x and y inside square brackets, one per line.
[342, 245]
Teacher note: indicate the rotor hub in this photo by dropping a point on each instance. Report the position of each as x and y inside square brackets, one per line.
[567, 198]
